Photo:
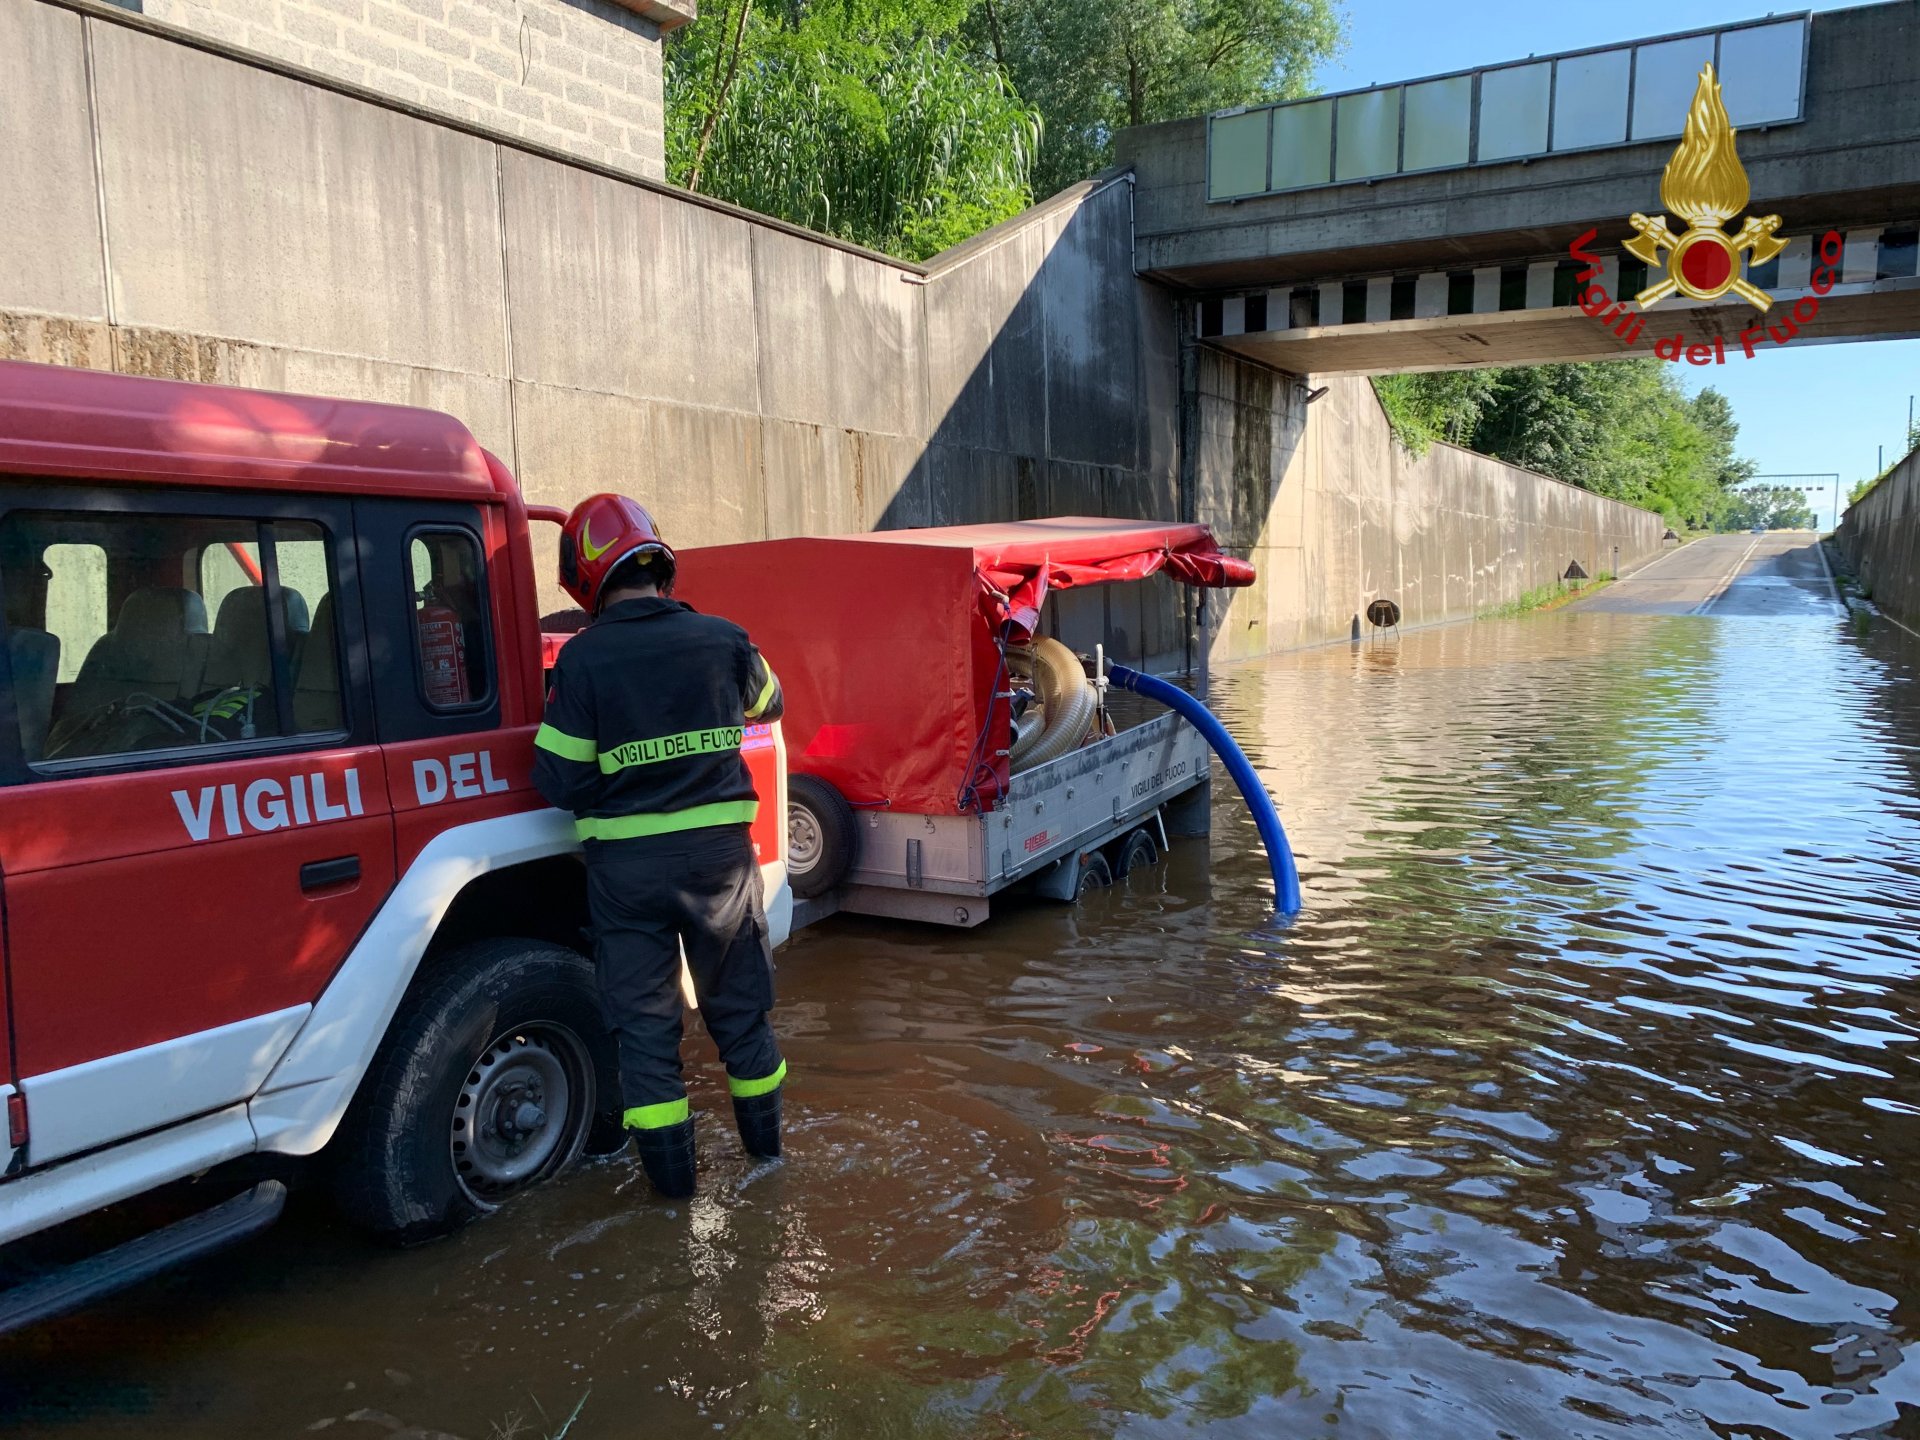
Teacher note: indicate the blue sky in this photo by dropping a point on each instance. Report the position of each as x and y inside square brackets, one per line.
[1809, 408]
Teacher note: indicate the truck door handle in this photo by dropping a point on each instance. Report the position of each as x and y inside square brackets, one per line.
[325, 874]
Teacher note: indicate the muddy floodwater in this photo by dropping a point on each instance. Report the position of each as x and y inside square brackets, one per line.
[1581, 1102]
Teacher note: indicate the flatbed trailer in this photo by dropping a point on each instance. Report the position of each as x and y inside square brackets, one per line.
[907, 783]
[1053, 820]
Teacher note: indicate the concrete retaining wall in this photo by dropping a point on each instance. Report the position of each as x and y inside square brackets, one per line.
[1880, 536]
[181, 213]
[1335, 513]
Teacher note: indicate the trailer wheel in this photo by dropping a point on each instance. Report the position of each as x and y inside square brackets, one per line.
[490, 1082]
[821, 836]
[1095, 874]
[1137, 852]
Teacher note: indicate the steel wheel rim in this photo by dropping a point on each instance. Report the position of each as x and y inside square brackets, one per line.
[803, 840]
[522, 1112]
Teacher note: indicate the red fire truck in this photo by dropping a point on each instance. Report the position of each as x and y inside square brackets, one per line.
[272, 874]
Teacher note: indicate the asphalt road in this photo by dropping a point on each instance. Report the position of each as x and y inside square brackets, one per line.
[1778, 573]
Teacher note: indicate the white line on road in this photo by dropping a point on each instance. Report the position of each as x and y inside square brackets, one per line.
[1727, 583]
[1826, 568]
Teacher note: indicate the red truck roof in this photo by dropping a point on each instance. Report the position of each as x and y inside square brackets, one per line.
[56, 421]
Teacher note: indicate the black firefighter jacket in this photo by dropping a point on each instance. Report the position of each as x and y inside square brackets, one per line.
[644, 721]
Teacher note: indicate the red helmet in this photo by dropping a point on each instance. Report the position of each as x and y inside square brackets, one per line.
[603, 531]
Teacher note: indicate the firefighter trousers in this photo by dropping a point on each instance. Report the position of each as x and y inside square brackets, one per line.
[649, 897]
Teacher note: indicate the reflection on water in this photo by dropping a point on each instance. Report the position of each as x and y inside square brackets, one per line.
[1579, 1103]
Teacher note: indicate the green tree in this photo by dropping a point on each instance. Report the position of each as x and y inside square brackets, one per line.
[873, 120]
[1777, 507]
[1094, 66]
[1438, 405]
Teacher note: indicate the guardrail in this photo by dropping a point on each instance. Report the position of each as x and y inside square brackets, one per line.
[1582, 100]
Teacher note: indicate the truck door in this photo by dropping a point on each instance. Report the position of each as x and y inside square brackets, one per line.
[195, 825]
[459, 747]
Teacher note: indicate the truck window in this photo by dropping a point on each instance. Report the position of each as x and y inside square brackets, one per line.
[450, 633]
[76, 614]
[224, 569]
[152, 633]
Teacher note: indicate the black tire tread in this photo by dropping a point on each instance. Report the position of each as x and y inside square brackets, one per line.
[366, 1158]
[1124, 861]
[839, 834]
[1092, 866]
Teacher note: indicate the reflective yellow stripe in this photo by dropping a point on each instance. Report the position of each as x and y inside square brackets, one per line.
[626, 827]
[656, 1117]
[567, 747]
[683, 746]
[766, 694]
[747, 1089]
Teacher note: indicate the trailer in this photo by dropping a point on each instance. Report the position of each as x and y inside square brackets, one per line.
[943, 746]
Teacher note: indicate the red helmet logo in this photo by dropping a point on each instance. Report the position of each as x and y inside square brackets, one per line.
[602, 532]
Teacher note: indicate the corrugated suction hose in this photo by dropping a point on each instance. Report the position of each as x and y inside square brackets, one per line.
[1067, 699]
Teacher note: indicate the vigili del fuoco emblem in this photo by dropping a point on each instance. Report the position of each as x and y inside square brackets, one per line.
[1706, 186]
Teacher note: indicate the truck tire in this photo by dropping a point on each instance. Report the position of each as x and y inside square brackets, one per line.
[821, 836]
[1136, 852]
[1095, 874]
[490, 1081]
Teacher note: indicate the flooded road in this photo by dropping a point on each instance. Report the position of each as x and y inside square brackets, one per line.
[1580, 1102]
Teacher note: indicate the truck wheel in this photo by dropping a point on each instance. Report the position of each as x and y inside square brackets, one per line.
[489, 1082]
[1095, 874]
[821, 837]
[1138, 851]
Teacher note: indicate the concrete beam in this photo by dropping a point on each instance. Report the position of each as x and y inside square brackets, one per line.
[1886, 310]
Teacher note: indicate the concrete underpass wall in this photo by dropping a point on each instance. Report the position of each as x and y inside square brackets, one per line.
[1880, 536]
[1335, 513]
[181, 213]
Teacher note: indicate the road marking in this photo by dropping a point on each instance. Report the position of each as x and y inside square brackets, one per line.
[1833, 585]
[1650, 566]
[1727, 583]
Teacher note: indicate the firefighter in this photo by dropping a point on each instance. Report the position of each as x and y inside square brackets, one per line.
[642, 743]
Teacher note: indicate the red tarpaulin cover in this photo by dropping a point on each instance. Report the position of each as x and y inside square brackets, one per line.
[885, 643]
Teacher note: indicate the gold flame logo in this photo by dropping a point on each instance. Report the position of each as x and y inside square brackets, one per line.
[1705, 185]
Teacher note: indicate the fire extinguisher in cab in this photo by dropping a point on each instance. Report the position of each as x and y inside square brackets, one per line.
[443, 654]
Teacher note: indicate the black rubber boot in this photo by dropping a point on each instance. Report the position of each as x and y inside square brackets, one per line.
[666, 1152]
[758, 1117]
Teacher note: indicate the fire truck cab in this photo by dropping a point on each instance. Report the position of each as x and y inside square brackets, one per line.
[273, 876]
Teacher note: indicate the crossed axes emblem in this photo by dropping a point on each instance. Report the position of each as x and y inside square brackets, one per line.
[1714, 275]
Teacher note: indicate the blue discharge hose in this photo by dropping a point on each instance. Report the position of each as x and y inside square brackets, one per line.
[1286, 879]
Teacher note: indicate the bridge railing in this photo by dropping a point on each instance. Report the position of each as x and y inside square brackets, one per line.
[1582, 100]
